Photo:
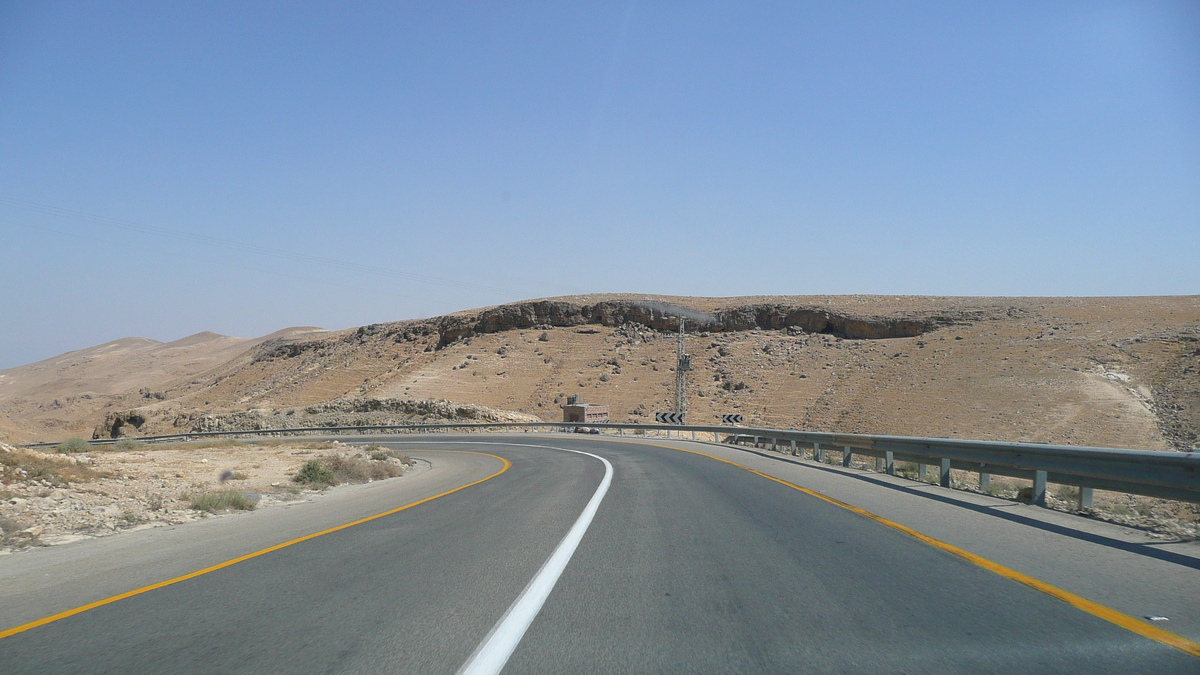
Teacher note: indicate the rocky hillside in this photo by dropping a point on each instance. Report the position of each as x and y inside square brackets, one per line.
[352, 412]
[1089, 371]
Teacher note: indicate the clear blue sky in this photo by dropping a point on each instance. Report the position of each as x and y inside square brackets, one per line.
[167, 168]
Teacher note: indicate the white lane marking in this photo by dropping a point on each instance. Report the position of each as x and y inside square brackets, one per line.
[491, 654]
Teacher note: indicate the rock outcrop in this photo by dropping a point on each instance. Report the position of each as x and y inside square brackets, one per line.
[120, 424]
[661, 317]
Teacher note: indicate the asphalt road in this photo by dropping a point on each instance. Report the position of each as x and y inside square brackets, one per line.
[689, 565]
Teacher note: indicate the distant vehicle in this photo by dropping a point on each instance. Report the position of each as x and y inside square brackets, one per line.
[594, 432]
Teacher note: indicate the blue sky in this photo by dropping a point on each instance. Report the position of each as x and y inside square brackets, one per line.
[167, 168]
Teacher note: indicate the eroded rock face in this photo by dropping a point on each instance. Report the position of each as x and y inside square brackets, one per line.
[746, 317]
[653, 315]
[120, 424]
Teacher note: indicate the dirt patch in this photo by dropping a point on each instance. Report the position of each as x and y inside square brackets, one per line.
[46, 498]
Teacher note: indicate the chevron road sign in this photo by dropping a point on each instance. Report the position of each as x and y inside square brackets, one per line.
[732, 419]
[668, 418]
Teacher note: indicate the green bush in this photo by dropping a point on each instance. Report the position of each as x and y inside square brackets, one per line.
[213, 502]
[74, 445]
[126, 444]
[315, 473]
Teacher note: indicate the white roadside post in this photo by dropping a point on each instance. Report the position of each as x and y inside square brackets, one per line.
[1039, 488]
[1085, 498]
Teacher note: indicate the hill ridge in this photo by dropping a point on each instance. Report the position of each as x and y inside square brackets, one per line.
[1096, 371]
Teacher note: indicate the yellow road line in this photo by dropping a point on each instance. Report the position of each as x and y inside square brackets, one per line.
[138, 591]
[1094, 608]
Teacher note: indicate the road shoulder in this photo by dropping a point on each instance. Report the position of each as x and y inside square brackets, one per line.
[42, 582]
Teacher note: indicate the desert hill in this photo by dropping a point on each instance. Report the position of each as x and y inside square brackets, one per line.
[1119, 372]
[65, 393]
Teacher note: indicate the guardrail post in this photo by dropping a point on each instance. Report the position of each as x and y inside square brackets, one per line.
[774, 445]
[793, 447]
[890, 460]
[921, 475]
[985, 481]
[1039, 488]
[756, 441]
[1085, 498]
[818, 453]
[944, 472]
[847, 454]
[693, 435]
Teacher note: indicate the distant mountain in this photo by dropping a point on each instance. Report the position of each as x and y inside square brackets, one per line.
[66, 392]
[1121, 372]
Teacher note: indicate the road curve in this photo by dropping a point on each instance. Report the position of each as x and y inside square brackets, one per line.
[688, 565]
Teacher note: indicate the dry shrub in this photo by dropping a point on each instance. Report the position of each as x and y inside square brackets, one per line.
[355, 470]
[74, 445]
[336, 469]
[58, 471]
[222, 500]
[404, 459]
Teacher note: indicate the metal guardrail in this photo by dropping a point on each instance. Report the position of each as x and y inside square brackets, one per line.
[1165, 474]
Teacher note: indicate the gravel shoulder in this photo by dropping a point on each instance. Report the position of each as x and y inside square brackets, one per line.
[50, 499]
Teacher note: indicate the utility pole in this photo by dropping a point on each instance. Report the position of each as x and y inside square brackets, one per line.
[683, 363]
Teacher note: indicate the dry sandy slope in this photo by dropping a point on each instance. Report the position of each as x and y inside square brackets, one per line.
[1015, 380]
[66, 393]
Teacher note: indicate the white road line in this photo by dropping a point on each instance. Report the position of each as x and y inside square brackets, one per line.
[491, 654]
